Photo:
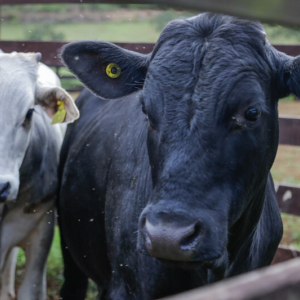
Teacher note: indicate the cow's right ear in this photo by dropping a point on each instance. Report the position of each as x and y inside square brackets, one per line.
[106, 69]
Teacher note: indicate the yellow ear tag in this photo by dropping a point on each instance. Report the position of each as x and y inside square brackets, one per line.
[60, 115]
[113, 70]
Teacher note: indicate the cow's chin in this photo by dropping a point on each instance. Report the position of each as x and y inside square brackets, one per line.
[213, 263]
[185, 265]
[193, 265]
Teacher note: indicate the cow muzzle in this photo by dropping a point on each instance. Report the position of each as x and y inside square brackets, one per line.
[171, 241]
[182, 237]
[9, 187]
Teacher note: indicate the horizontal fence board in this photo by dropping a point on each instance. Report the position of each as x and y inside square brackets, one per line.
[289, 130]
[288, 198]
[50, 50]
[278, 282]
[292, 50]
[285, 253]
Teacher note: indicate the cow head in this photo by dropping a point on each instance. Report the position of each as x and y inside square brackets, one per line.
[24, 84]
[209, 91]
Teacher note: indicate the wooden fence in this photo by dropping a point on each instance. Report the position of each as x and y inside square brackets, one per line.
[279, 282]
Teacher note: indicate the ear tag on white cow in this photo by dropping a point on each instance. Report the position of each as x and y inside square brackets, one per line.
[60, 115]
[113, 70]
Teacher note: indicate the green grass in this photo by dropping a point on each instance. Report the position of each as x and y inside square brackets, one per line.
[291, 235]
[282, 35]
[288, 98]
[122, 31]
[133, 31]
[54, 271]
[284, 168]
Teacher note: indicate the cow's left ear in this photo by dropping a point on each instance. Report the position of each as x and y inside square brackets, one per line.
[107, 70]
[58, 104]
[291, 75]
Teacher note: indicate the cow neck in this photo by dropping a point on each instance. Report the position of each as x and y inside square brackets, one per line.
[243, 230]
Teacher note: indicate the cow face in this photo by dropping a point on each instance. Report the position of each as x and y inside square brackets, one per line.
[21, 89]
[210, 91]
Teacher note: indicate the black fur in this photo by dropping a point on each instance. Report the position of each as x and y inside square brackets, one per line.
[89, 59]
[195, 155]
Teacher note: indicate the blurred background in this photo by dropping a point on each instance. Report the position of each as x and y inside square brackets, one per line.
[130, 23]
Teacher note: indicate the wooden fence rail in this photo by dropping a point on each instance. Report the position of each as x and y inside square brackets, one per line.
[279, 282]
[50, 50]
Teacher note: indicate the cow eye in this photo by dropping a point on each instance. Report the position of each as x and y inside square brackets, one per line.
[252, 113]
[28, 116]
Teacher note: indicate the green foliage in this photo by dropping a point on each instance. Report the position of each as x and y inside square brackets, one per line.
[138, 31]
[282, 35]
[289, 98]
[15, 10]
[43, 32]
[291, 225]
[54, 271]
[163, 18]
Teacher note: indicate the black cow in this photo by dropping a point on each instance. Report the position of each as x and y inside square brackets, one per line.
[168, 187]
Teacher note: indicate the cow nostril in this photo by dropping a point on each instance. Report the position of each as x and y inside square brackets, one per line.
[147, 239]
[4, 191]
[192, 238]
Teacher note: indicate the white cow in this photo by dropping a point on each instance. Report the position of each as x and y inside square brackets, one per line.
[29, 152]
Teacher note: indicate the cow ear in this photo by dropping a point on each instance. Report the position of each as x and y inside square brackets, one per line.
[291, 76]
[58, 104]
[106, 69]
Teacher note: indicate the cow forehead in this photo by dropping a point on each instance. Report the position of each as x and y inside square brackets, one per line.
[18, 74]
[19, 62]
[200, 58]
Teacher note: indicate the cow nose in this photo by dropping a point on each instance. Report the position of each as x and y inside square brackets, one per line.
[4, 191]
[167, 241]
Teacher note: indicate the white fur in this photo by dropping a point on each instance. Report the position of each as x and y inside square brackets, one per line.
[24, 82]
